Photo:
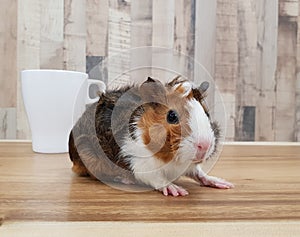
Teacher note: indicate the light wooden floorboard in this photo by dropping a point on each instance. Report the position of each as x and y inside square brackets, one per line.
[128, 229]
[40, 190]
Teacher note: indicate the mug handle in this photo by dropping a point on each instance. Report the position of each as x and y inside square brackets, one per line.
[101, 87]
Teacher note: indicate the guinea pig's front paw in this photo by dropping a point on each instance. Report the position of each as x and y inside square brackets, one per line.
[173, 190]
[214, 182]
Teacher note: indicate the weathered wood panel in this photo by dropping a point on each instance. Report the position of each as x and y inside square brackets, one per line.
[8, 69]
[141, 40]
[184, 36]
[257, 64]
[289, 8]
[163, 36]
[297, 116]
[29, 25]
[205, 39]
[97, 27]
[97, 38]
[246, 90]
[118, 42]
[52, 34]
[205, 50]
[75, 35]
[8, 52]
[267, 17]
[285, 81]
[8, 128]
[226, 69]
[235, 40]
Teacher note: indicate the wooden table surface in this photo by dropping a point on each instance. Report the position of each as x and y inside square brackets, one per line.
[40, 191]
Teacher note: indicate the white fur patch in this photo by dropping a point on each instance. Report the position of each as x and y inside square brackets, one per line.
[200, 131]
[147, 168]
[187, 86]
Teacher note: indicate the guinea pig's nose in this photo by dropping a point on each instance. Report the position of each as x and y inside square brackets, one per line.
[203, 146]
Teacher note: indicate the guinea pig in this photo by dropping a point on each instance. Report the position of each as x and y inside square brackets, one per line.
[152, 133]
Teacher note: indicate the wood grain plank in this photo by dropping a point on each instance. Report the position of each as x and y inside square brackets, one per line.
[8, 52]
[205, 35]
[242, 57]
[141, 40]
[184, 36]
[265, 177]
[29, 25]
[267, 17]
[285, 81]
[246, 91]
[52, 34]
[97, 27]
[75, 35]
[226, 71]
[163, 37]
[8, 123]
[224, 111]
[163, 23]
[297, 117]
[205, 49]
[289, 8]
[119, 41]
[113, 229]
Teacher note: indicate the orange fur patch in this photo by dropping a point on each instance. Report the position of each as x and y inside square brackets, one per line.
[180, 89]
[158, 135]
[80, 169]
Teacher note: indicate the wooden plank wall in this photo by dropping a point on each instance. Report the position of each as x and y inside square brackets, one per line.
[267, 37]
[226, 63]
[286, 72]
[257, 52]
[8, 69]
[250, 47]
[297, 122]
[141, 36]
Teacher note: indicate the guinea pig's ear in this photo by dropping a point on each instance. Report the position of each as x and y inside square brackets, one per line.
[200, 92]
[149, 79]
[153, 91]
[183, 88]
[204, 86]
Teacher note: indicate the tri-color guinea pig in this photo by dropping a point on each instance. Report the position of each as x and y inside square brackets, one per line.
[152, 133]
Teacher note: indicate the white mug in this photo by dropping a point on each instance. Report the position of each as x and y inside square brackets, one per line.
[54, 100]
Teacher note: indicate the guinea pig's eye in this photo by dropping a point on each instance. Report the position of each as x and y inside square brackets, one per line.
[172, 117]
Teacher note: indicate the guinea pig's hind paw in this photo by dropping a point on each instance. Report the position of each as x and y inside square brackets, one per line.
[173, 190]
[214, 182]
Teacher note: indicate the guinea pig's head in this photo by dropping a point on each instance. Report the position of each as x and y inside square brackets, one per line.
[174, 123]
